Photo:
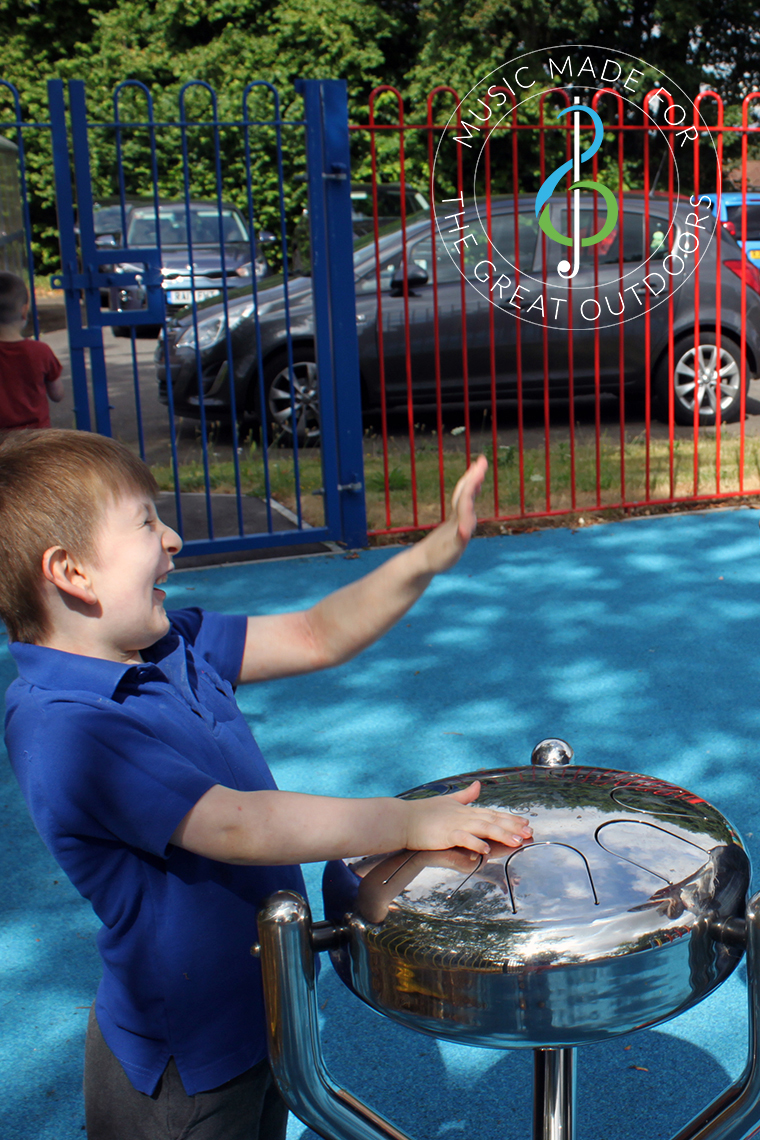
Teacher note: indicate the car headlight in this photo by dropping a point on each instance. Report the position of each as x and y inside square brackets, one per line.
[260, 267]
[213, 329]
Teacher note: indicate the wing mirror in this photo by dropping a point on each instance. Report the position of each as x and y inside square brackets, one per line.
[416, 277]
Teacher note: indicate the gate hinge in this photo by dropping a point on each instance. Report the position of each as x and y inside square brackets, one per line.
[338, 172]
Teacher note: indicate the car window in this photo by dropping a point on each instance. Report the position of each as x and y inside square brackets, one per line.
[502, 248]
[388, 266]
[388, 202]
[608, 248]
[658, 245]
[734, 214]
[505, 242]
[448, 258]
[108, 219]
[173, 229]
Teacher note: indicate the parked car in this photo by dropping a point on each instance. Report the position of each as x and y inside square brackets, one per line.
[211, 231]
[108, 223]
[362, 215]
[242, 321]
[388, 204]
[730, 217]
[12, 245]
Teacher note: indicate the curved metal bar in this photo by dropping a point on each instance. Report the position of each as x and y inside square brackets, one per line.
[467, 878]
[252, 222]
[735, 1114]
[285, 296]
[642, 823]
[548, 843]
[295, 1055]
[123, 210]
[186, 196]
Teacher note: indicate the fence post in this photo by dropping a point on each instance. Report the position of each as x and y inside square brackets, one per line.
[334, 299]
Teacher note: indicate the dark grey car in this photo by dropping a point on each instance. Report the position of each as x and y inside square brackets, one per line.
[647, 246]
[221, 250]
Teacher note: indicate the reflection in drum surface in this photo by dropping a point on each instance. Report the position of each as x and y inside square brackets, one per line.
[604, 923]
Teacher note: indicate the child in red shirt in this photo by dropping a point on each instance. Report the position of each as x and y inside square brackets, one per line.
[29, 369]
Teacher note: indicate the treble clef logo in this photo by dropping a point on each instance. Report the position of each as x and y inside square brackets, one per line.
[543, 212]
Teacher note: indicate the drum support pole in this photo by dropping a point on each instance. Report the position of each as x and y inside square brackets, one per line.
[553, 1094]
[287, 967]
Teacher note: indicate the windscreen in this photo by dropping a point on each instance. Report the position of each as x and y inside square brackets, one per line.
[204, 226]
[734, 214]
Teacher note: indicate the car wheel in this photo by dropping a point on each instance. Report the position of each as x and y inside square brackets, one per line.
[704, 386]
[303, 412]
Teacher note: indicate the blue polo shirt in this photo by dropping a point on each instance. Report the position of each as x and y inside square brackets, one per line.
[110, 759]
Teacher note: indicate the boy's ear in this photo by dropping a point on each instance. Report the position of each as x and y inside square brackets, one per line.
[68, 575]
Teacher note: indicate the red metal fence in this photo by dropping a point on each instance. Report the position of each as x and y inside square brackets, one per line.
[563, 439]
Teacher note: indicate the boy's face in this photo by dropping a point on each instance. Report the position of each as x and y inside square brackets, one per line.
[133, 551]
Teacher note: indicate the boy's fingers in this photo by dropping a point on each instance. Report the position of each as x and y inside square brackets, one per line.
[467, 795]
[475, 474]
[509, 830]
[465, 493]
[470, 842]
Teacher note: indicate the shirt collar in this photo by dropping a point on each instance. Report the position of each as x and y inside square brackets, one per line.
[55, 669]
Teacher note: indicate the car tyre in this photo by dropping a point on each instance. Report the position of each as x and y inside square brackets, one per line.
[685, 385]
[303, 412]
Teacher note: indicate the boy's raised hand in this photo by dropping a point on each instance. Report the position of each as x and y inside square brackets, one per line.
[348, 620]
[456, 821]
[445, 545]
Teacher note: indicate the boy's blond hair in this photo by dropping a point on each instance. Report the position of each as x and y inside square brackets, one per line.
[54, 486]
[13, 296]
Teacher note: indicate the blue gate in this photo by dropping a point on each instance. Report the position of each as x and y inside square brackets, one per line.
[237, 377]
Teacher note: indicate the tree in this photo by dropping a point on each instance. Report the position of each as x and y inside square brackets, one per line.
[412, 46]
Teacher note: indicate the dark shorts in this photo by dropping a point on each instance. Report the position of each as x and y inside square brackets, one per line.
[248, 1107]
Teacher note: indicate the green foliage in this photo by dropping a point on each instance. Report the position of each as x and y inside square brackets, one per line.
[412, 46]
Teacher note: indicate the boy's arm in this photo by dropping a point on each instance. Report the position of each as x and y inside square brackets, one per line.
[53, 383]
[347, 621]
[275, 828]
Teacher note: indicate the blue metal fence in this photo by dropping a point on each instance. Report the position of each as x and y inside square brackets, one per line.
[246, 360]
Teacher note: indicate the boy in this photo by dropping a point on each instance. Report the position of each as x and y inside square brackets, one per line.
[145, 783]
[29, 369]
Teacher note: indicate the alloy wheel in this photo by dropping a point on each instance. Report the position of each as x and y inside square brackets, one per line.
[704, 360]
[304, 411]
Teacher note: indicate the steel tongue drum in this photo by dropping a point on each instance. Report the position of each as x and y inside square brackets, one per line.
[627, 908]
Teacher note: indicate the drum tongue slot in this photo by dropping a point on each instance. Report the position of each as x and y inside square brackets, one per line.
[536, 847]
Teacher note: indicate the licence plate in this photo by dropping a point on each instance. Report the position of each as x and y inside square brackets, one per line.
[185, 296]
[755, 253]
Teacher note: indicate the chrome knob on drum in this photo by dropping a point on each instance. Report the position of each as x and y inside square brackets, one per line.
[626, 908]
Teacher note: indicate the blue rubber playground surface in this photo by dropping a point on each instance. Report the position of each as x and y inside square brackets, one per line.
[638, 642]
